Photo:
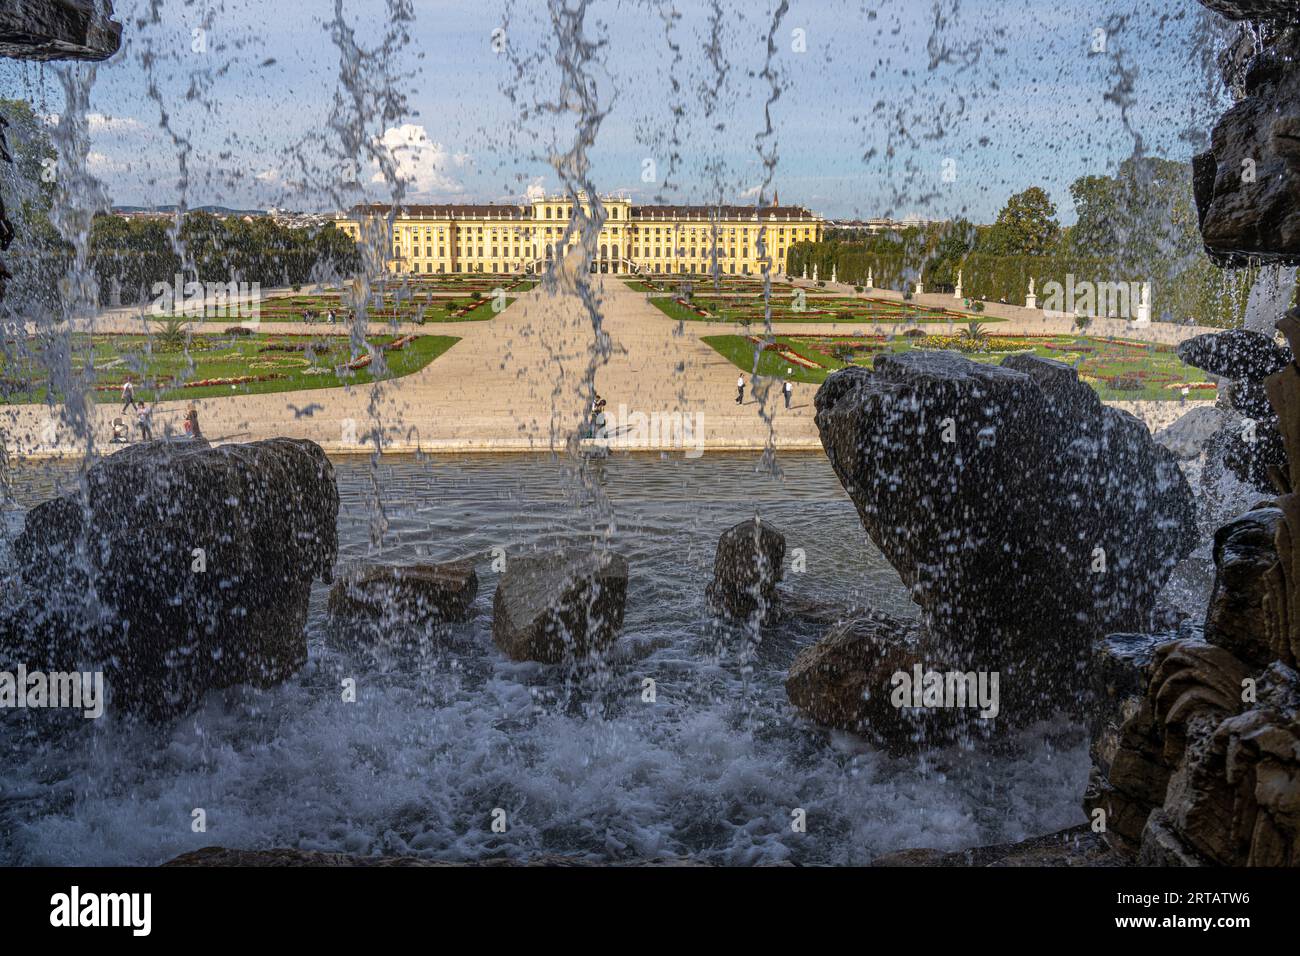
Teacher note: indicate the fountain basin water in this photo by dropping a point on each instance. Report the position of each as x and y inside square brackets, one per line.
[445, 731]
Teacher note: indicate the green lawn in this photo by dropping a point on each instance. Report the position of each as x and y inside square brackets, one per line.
[314, 310]
[1143, 371]
[294, 363]
[844, 310]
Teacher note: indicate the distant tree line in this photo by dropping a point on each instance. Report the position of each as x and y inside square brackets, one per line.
[1136, 226]
[127, 256]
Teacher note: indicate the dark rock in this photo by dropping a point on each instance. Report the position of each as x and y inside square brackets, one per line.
[1237, 353]
[844, 681]
[1188, 436]
[1248, 397]
[746, 571]
[1255, 9]
[1120, 672]
[1235, 58]
[1162, 846]
[995, 491]
[1076, 846]
[1248, 586]
[1253, 451]
[1247, 185]
[560, 604]
[416, 593]
[1194, 687]
[58, 29]
[1235, 798]
[110, 572]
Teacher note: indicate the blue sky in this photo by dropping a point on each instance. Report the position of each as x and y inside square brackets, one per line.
[877, 100]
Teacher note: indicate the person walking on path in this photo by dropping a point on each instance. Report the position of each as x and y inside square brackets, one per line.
[788, 388]
[128, 395]
[142, 416]
[740, 389]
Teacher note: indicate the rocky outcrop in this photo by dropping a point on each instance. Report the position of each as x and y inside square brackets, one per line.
[58, 29]
[1235, 354]
[1027, 519]
[1189, 435]
[415, 593]
[559, 605]
[844, 681]
[746, 571]
[1076, 846]
[1206, 769]
[1247, 185]
[1119, 674]
[1279, 10]
[179, 568]
[1249, 444]
[1248, 590]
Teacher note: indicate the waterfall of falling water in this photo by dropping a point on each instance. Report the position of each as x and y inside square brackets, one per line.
[1271, 294]
[370, 87]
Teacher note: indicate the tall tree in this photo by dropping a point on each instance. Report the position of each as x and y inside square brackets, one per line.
[1027, 225]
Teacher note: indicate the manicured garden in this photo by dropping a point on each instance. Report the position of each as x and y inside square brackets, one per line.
[1118, 369]
[405, 300]
[674, 284]
[787, 308]
[160, 366]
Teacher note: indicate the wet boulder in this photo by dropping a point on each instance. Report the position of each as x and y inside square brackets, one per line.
[180, 567]
[1119, 676]
[58, 29]
[1250, 447]
[846, 681]
[1235, 354]
[1281, 10]
[1188, 436]
[1247, 184]
[415, 593]
[1027, 518]
[559, 605]
[1249, 587]
[746, 571]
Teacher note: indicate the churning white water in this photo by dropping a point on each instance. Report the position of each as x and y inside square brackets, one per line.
[445, 730]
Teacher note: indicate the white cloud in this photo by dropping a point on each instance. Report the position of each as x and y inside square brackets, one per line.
[100, 164]
[536, 190]
[100, 123]
[425, 166]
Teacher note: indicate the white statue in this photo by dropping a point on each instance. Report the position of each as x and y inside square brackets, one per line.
[871, 279]
[1144, 306]
[833, 273]
[814, 272]
[956, 293]
[1031, 300]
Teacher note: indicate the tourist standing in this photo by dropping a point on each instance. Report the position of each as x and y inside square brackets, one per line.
[788, 388]
[192, 423]
[1183, 399]
[740, 389]
[143, 416]
[128, 395]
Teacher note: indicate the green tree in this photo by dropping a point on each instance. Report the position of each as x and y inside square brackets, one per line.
[1027, 225]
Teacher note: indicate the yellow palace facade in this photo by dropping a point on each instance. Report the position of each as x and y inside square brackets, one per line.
[502, 239]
